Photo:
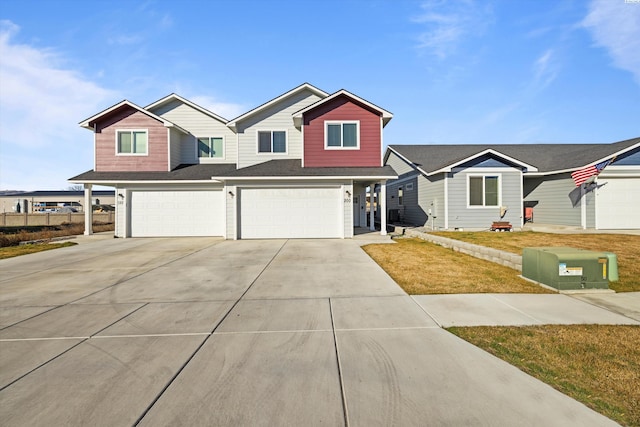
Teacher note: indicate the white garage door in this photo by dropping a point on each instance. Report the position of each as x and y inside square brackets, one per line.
[177, 213]
[291, 213]
[618, 203]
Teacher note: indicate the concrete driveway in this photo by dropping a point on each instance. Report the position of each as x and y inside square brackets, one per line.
[198, 331]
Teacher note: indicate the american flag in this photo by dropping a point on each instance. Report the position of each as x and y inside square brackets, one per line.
[580, 176]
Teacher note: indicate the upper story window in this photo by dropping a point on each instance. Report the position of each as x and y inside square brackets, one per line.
[272, 141]
[211, 148]
[342, 135]
[400, 196]
[132, 142]
[484, 190]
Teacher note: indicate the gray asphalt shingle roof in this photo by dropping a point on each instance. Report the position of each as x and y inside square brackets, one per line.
[545, 157]
[203, 172]
[293, 168]
[181, 173]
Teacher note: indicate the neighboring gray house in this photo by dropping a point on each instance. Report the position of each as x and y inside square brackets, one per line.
[449, 187]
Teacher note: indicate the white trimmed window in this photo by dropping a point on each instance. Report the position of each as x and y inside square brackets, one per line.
[400, 196]
[211, 148]
[272, 141]
[484, 190]
[132, 142]
[342, 135]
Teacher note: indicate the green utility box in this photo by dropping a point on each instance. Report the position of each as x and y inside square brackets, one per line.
[567, 268]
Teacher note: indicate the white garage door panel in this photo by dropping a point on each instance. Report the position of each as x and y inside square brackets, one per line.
[618, 203]
[177, 213]
[291, 213]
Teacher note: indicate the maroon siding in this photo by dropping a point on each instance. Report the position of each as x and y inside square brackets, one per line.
[342, 108]
[157, 158]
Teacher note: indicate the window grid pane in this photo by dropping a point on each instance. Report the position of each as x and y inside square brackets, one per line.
[334, 137]
[491, 191]
[216, 147]
[124, 142]
[350, 135]
[475, 191]
[279, 142]
[139, 142]
[264, 142]
[203, 147]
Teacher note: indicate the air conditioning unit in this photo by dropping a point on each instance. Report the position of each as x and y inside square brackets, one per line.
[567, 268]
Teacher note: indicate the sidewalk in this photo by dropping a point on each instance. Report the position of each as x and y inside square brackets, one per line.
[529, 309]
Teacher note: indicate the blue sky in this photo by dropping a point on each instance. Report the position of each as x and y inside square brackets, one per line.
[511, 71]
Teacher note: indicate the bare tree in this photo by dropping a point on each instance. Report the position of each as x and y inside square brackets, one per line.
[76, 187]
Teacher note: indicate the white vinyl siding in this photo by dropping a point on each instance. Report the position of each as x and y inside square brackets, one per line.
[121, 212]
[346, 205]
[276, 117]
[198, 123]
[175, 147]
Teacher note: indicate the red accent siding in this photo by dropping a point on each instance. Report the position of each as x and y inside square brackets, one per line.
[157, 158]
[342, 108]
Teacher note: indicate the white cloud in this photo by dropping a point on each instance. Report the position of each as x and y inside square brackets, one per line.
[449, 23]
[545, 69]
[40, 107]
[615, 25]
[225, 109]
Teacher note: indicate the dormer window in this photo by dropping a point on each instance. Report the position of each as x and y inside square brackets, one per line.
[131, 142]
[342, 135]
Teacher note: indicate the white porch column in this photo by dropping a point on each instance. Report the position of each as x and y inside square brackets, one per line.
[88, 210]
[583, 207]
[383, 208]
[372, 225]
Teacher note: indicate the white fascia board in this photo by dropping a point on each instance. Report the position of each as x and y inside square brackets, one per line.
[482, 153]
[303, 178]
[118, 182]
[386, 115]
[409, 162]
[87, 123]
[305, 86]
[193, 105]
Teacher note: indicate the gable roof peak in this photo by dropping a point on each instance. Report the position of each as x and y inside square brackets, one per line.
[174, 96]
[304, 86]
[386, 115]
[88, 123]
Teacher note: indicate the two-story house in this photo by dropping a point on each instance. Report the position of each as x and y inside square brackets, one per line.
[297, 166]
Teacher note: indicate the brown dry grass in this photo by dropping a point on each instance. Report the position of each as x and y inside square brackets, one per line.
[421, 267]
[598, 365]
[13, 251]
[12, 236]
[626, 247]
